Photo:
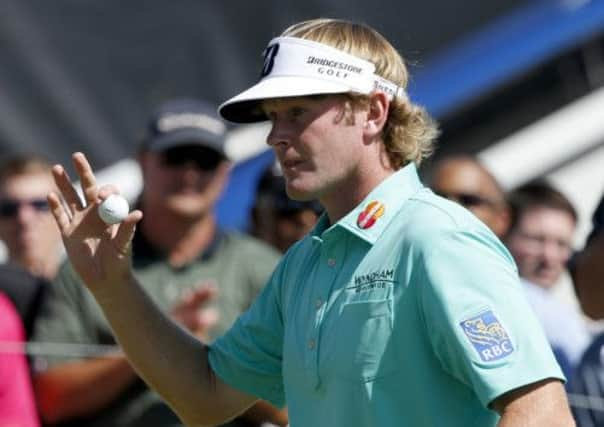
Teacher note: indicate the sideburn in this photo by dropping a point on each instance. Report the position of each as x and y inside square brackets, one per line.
[352, 102]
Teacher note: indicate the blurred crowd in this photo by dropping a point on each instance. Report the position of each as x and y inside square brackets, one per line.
[60, 365]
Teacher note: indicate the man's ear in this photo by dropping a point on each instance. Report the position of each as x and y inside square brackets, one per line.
[377, 114]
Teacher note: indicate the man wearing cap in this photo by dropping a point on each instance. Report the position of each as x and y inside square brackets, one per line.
[277, 219]
[398, 309]
[465, 180]
[204, 277]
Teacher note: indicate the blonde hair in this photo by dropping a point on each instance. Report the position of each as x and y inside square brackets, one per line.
[409, 132]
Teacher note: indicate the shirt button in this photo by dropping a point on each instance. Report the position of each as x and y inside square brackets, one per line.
[331, 262]
[318, 303]
[311, 344]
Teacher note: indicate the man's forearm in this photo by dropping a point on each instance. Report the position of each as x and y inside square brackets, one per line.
[542, 404]
[81, 388]
[168, 358]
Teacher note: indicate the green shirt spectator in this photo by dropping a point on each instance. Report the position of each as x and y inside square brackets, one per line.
[238, 265]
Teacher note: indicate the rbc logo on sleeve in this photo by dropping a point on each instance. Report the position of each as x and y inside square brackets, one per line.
[487, 335]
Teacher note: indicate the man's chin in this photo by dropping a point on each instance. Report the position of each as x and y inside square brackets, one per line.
[300, 194]
[187, 207]
[546, 282]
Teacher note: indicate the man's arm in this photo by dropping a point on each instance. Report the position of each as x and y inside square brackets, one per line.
[190, 313]
[167, 357]
[81, 388]
[536, 405]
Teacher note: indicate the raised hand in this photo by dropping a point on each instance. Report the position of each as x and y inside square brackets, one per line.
[100, 253]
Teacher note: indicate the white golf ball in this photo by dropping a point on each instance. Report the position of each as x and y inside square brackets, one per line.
[114, 209]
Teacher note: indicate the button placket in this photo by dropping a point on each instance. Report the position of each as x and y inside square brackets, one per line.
[329, 272]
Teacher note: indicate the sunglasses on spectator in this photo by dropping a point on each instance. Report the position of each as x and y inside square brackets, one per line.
[10, 207]
[467, 200]
[202, 158]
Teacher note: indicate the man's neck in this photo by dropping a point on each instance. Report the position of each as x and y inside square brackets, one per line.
[348, 195]
[46, 268]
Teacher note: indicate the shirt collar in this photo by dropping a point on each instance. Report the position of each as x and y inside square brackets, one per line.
[371, 217]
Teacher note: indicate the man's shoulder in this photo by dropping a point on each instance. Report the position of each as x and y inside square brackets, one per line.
[435, 212]
[425, 217]
[431, 227]
[19, 284]
[11, 272]
[11, 327]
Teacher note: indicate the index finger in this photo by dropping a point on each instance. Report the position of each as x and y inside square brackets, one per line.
[87, 178]
[69, 194]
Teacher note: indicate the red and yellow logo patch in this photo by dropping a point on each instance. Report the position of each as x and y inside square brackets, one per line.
[370, 215]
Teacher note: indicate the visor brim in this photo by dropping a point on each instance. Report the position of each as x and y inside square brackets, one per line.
[245, 107]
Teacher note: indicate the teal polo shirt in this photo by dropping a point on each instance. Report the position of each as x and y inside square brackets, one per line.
[406, 312]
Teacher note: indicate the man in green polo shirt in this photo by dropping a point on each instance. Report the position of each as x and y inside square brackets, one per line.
[179, 251]
[399, 309]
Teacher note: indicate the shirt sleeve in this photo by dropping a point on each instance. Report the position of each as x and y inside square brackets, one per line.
[480, 324]
[249, 355]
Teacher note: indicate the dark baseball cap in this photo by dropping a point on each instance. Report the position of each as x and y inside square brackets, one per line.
[185, 122]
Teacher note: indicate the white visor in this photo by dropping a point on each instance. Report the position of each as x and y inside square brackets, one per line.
[299, 67]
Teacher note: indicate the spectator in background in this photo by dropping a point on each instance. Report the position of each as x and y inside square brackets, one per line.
[540, 240]
[276, 218]
[17, 404]
[463, 179]
[588, 268]
[587, 272]
[27, 227]
[177, 247]
[541, 234]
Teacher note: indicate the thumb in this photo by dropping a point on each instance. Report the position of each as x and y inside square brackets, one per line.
[126, 229]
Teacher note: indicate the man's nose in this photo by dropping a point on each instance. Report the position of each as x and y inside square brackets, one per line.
[26, 213]
[280, 134]
[555, 251]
